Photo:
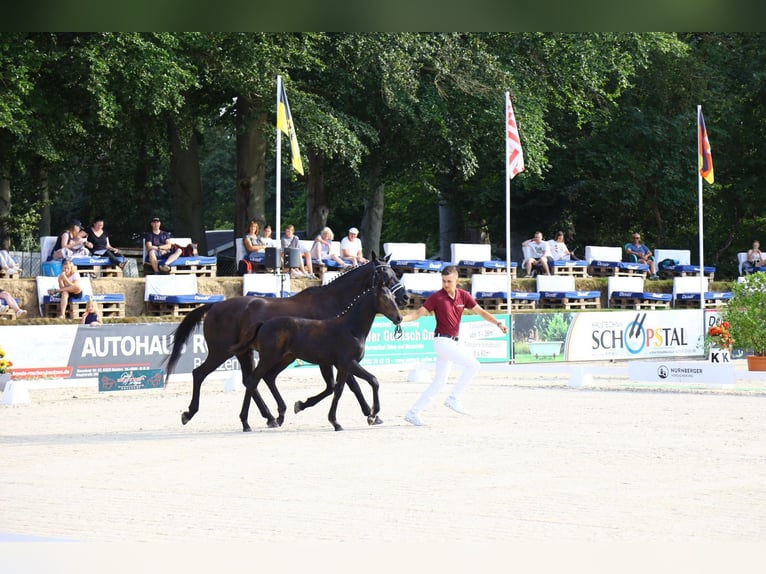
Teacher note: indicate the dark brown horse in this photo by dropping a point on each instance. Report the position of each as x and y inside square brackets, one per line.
[232, 321]
[338, 342]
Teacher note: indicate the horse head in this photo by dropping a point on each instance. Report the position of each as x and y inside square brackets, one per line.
[384, 275]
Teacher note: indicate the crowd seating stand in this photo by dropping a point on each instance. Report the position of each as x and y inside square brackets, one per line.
[605, 261]
[628, 293]
[175, 295]
[559, 292]
[491, 292]
[470, 258]
[197, 265]
[266, 285]
[686, 294]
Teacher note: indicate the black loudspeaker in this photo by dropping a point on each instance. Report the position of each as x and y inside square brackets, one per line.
[273, 258]
[292, 257]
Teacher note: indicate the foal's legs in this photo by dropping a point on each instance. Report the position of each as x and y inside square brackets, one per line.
[268, 374]
[251, 382]
[337, 392]
[327, 375]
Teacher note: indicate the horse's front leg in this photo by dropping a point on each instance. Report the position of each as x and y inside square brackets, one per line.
[252, 391]
[361, 372]
[337, 392]
[198, 377]
[329, 380]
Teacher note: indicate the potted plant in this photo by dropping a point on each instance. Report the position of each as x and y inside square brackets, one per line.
[746, 315]
[5, 369]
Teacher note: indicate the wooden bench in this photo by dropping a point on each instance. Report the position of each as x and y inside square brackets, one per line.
[628, 293]
[559, 292]
[174, 295]
[686, 294]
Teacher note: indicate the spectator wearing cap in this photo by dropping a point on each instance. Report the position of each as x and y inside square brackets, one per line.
[73, 242]
[159, 244]
[351, 248]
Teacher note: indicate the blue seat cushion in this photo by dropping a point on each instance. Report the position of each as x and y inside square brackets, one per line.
[690, 269]
[620, 265]
[94, 260]
[260, 294]
[420, 264]
[570, 294]
[196, 298]
[645, 295]
[718, 295]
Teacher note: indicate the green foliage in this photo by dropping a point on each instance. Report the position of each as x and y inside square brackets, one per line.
[746, 313]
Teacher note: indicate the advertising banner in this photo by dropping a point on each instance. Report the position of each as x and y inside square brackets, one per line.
[81, 351]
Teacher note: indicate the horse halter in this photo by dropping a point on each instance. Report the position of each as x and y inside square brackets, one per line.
[378, 279]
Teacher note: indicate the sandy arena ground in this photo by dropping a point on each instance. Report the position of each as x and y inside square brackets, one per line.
[536, 461]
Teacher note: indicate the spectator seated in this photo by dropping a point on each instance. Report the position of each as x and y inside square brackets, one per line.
[94, 265]
[491, 292]
[266, 285]
[743, 265]
[48, 305]
[470, 258]
[6, 312]
[198, 265]
[174, 295]
[607, 262]
[410, 258]
[11, 272]
[257, 260]
[559, 292]
[420, 286]
[681, 266]
[321, 266]
[565, 265]
[686, 294]
[628, 293]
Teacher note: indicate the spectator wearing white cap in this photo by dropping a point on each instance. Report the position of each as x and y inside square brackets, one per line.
[351, 248]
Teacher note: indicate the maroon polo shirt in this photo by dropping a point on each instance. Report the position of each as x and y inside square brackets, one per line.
[448, 311]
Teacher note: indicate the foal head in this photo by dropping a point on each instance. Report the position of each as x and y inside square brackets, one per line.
[385, 304]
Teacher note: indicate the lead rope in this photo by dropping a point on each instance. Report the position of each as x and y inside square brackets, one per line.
[398, 331]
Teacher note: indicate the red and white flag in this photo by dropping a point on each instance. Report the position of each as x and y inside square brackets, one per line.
[515, 156]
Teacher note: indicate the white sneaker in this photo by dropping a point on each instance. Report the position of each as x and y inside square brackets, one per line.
[413, 418]
[454, 404]
[21, 313]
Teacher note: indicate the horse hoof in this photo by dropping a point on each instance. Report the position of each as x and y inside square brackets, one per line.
[246, 428]
[298, 407]
[272, 424]
[185, 418]
[374, 420]
[280, 420]
[337, 427]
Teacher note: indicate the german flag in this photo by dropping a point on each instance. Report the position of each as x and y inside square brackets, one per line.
[285, 124]
[705, 158]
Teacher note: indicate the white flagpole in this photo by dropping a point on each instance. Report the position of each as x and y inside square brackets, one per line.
[508, 224]
[699, 209]
[278, 210]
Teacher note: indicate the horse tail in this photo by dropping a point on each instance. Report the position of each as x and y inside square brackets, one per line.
[245, 342]
[183, 332]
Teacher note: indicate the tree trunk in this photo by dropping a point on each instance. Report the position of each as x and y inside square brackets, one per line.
[372, 220]
[317, 202]
[250, 200]
[186, 186]
[40, 175]
[5, 209]
[450, 227]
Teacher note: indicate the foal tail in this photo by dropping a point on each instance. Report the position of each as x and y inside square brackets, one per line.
[246, 341]
[183, 332]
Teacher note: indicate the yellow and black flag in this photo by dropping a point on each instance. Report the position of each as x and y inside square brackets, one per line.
[285, 123]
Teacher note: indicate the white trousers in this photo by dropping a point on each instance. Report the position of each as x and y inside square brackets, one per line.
[448, 352]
